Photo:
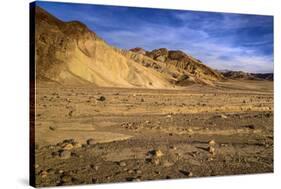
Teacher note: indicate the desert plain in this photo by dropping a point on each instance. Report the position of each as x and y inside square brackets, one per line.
[103, 135]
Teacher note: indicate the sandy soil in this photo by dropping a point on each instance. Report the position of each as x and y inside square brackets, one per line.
[86, 134]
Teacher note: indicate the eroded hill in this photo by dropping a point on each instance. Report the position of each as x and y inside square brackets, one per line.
[70, 53]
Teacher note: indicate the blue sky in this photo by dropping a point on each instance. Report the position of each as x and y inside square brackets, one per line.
[220, 40]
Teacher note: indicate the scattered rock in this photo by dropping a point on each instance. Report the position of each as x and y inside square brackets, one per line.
[147, 122]
[173, 147]
[69, 141]
[189, 131]
[211, 150]
[52, 128]
[66, 178]
[212, 143]
[77, 145]
[55, 154]
[250, 126]
[65, 154]
[91, 141]
[223, 116]
[68, 146]
[156, 161]
[96, 167]
[156, 153]
[122, 164]
[51, 171]
[101, 98]
[43, 174]
[70, 113]
[186, 173]
[169, 116]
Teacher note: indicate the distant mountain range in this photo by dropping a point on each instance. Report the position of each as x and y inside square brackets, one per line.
[70, 53]
[245, 75]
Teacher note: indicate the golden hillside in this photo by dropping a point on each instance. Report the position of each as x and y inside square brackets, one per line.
[70, 53]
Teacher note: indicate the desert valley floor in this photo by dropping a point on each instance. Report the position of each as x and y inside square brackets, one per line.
[86, 134]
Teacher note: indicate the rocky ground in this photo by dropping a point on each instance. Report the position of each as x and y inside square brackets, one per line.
[87, 135]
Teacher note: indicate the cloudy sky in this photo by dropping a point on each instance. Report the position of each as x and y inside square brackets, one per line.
[220, 40]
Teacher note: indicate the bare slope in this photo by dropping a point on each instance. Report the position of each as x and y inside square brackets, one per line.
[183, 69]
[70, 53]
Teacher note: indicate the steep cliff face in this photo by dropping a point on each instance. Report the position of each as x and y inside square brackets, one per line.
[70, 53]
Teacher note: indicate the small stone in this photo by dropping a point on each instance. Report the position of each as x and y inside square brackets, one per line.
[156, 161]
[173, 147]
[66, 178]
[157, 172]
[51, 171]
[212, 143]
[44, 174]
[36, 166]
[211, 149]
[52, 128]
[69, 141]
[186, 173]
[65, 154]
[157, 153]
[223, 116]
[67, 146]
[77, 145]
[101, 98]
[190, 131]
[55, 154]
[96, 167]
[130, 171]
[250, 126]
[91, 141]
[138, 171]
[122, 164]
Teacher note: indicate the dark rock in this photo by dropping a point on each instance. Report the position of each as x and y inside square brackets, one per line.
[101, 98]
[91, 141]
